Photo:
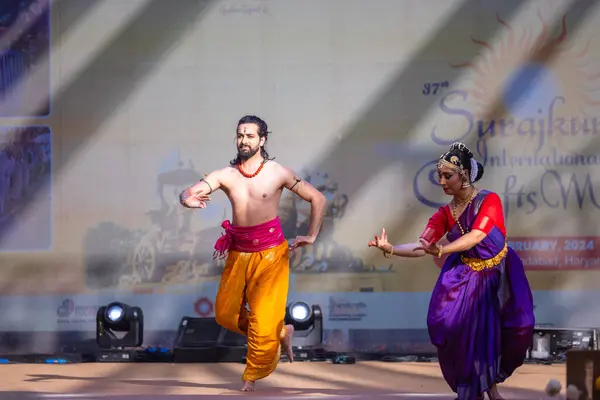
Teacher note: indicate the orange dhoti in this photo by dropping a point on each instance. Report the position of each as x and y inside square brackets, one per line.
[257, 274]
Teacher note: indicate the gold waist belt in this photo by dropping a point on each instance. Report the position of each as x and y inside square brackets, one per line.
[477, 264]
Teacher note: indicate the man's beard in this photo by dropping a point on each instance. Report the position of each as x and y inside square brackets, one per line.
[245, 153]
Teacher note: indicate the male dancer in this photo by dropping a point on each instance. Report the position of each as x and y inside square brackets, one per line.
[257, 269]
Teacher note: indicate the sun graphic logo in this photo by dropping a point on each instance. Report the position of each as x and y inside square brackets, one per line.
[528, 105]
[532, 88]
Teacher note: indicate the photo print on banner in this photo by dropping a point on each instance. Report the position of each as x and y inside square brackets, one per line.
[25, 171]
[25, 58]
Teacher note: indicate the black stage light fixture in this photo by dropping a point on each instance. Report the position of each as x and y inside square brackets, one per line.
[118, 327]
[308, 325]
[552, 343]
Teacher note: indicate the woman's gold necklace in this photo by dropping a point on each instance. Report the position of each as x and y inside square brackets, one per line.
[454, 214]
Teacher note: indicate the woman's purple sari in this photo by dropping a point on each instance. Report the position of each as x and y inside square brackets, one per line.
[481, 322]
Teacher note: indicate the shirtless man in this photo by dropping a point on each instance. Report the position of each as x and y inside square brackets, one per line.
[256, 272]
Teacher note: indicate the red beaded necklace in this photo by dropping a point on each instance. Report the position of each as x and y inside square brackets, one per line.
[247, 175]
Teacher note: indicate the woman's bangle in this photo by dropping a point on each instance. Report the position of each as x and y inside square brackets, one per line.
[389, 254]
[440, 251]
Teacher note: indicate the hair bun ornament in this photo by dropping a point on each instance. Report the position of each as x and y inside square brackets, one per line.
[461, 147]
[474, 169]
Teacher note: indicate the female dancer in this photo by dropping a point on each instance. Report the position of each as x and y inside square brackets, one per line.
[481, 311]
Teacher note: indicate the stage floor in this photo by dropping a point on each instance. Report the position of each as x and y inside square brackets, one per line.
[364, 380]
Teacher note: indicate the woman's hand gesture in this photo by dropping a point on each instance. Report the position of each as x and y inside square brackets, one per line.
[427, 247]
[381, 242]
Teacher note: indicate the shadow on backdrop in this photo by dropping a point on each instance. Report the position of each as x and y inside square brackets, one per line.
[401, 92]
[25, 44]
[174, 23]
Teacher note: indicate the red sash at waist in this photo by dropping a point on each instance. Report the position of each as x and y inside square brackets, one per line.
[249, 239]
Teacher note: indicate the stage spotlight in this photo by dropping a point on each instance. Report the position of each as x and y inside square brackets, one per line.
[300, 312]
[119, 326]
[308, 324]
[114, 313]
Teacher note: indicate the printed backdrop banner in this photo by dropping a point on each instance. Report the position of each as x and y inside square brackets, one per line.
[341, 311]
[143, 100]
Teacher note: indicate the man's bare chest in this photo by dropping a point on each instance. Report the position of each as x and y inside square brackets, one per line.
[248, 190]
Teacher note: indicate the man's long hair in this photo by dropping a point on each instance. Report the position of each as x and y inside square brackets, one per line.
[263, 131]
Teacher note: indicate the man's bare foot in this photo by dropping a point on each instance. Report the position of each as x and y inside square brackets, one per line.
[286, 342]
[248, 386]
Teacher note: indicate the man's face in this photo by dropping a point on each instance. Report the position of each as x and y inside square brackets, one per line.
[248, 141]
